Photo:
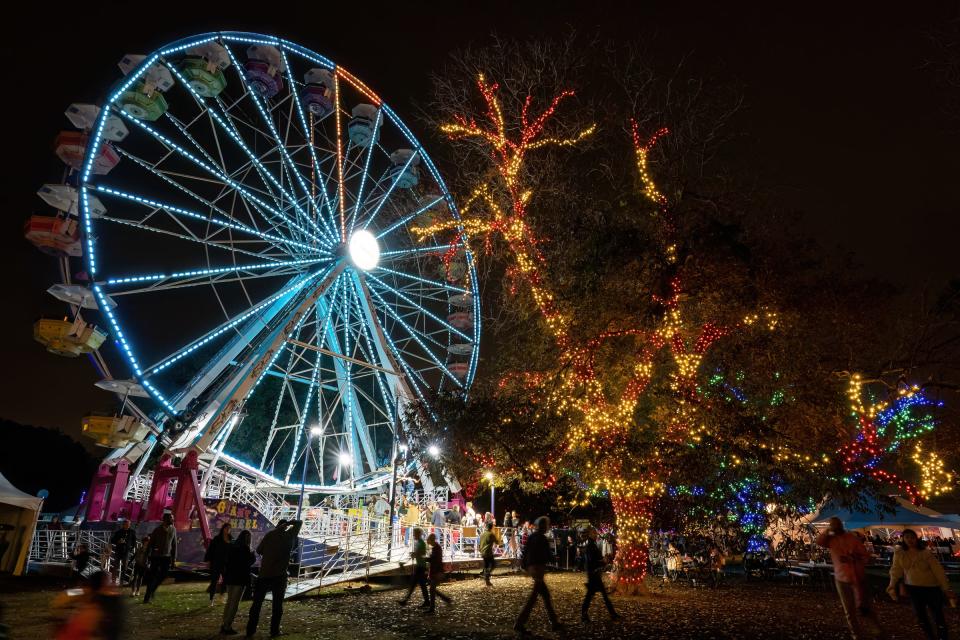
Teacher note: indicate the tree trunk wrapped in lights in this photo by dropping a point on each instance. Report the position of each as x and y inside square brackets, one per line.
[633, 523]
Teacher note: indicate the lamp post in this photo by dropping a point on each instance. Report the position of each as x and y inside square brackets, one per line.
[314, 431]
[489, 476]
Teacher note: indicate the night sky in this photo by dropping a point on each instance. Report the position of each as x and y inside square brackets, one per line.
[843, 119]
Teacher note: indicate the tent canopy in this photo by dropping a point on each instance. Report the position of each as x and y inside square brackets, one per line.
[876, 514]
[9, 494]
[19, 511]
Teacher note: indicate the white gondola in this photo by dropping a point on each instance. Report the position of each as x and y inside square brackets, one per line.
[156, 78]
[403, 168]
[67, 199]
[214, 53]
[363, 128]
[462, 300]
[123, 387]
[318, 94]
[84, 116]
[461, 349]
[78, 295]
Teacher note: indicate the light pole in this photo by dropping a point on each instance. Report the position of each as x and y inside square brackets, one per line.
[489, 476]
[314, 431]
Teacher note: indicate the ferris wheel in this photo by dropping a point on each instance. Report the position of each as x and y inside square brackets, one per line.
[243, 207]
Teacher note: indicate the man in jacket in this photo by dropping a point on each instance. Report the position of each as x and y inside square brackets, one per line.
[593, 565]
[274, 549]
[123, 541]
[536, 557]
[163, 555]
[488, 540]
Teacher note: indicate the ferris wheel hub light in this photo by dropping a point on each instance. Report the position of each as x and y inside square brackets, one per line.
[364, 250]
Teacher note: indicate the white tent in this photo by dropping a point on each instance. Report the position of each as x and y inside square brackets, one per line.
[19, 510]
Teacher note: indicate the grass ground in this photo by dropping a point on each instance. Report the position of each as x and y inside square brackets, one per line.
[735, 610]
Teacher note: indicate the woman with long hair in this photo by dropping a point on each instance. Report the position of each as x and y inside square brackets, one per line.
[217, 557]
[924, 582]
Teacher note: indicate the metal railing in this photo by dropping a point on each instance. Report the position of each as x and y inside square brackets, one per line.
[57, 547]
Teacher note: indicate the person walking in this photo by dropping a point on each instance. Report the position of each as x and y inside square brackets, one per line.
[436, 573]
[488, 540]
[536, 557]
[274, 549]
[141, 558]
[849, 569]
[924, 582]
[593, 565]
[216, 555]
[419, 575]
[123, 542]
[236, 577]
[163, 554]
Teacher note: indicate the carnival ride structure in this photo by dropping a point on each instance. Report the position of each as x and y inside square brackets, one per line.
[234, 218]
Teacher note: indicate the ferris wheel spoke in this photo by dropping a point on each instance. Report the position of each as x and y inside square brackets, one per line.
[181, 236]
[391, 188]
[216, 173]
[230, 323]
[268, 119]
[233, 133]
[409, 217]
[414, 305]
[261, 170]
[162, 279]
[371, 354]
[415, 335]
[308, 136]
[366, 171]
[281, 243]
[179, 211]
[434, 283]
[438, 249]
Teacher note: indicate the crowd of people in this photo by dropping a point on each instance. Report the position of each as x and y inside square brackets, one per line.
[532, 546]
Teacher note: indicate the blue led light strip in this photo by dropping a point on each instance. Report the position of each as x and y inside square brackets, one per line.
[217, 174]
[408, 218]
[291, 165]
[435, 283]
[393, 185]
[413, 304]
[414, 335]
[196, 216]
[363, 176]
[313, 152]
[281, 243]
[199, 342]
[368, 338]
[437, 248]
[207, 272]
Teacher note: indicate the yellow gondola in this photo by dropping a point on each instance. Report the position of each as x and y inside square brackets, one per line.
[66, 338]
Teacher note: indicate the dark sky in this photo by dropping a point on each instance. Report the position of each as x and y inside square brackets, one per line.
[842, 118]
